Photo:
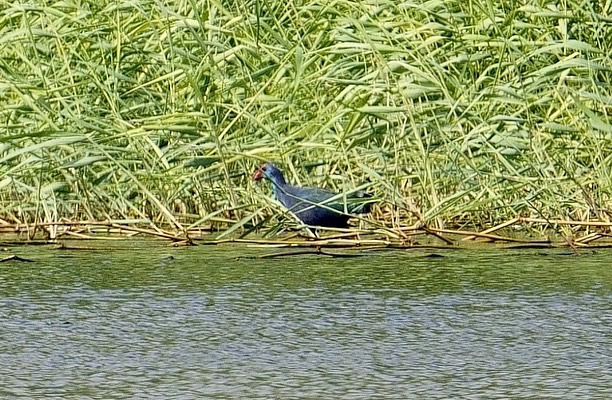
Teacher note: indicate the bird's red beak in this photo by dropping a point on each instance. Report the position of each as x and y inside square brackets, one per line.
[258, 175]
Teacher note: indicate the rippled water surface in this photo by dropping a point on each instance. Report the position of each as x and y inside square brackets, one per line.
[155, 322]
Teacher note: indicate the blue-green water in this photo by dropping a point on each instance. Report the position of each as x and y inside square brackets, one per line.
[164, 323]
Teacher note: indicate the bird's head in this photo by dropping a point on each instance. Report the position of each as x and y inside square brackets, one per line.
[269, 171]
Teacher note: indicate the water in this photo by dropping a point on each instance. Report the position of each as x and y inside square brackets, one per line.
[162, 323]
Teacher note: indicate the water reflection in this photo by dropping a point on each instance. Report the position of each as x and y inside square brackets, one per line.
[137, 324]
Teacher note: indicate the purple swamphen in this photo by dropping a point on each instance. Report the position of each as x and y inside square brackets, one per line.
[314, 206]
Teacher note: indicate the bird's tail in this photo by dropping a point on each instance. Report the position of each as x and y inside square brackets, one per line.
[361, 203]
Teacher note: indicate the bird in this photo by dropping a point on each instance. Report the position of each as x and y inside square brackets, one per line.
[314, 206]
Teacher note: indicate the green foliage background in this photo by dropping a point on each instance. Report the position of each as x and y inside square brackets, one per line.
[455, 111]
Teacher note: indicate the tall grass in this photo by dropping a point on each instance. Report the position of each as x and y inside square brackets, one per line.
[462, 113]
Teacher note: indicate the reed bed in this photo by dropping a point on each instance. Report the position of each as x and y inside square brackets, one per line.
[458, 116]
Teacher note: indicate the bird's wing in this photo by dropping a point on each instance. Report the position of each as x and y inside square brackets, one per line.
[351, 203]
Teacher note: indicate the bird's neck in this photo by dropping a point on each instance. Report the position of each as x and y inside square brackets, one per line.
[278, 184]
[278, 180]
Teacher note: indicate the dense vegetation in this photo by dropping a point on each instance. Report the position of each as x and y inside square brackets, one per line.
[456, 113]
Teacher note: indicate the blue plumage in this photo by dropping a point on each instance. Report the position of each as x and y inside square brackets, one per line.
[313, 205]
